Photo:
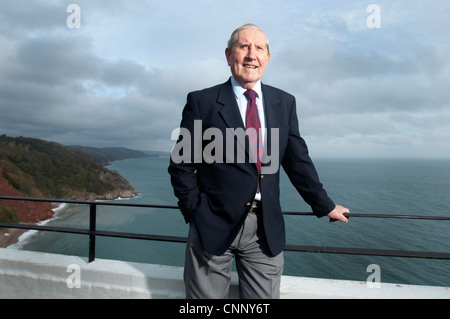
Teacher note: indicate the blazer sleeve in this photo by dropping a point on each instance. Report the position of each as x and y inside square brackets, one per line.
[301, 171]
[183, 169]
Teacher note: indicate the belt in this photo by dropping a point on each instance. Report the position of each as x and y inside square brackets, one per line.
[256, 207]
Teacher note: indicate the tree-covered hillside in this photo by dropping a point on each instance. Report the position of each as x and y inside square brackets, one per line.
[38, 168]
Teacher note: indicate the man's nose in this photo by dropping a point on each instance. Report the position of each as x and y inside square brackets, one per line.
[251, 54]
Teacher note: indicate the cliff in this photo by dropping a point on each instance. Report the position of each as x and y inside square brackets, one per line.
[15, 211]
[36, 168]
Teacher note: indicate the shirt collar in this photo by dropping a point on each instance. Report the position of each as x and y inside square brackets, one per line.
[239, 90]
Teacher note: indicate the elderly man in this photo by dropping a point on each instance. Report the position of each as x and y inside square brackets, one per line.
[232, 202]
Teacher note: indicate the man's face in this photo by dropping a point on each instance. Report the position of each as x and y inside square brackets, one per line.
[248, 58]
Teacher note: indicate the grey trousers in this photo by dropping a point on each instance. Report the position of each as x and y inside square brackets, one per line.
[207, 276]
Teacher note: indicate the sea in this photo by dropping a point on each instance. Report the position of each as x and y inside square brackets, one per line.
[365, 186]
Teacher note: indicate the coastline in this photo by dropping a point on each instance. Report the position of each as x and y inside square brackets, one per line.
[10, 236]
[40, 213]
[14, 236]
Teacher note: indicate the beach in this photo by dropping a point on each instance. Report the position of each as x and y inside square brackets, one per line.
[10, 236]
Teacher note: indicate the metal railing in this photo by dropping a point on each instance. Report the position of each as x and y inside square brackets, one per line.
[92, 231]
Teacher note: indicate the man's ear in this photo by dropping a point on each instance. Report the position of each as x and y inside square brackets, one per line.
[228, 55]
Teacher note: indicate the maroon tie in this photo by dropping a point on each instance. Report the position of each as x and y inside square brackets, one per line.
[252, 121]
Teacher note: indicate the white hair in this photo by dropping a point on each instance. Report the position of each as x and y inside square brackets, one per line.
[235, 35]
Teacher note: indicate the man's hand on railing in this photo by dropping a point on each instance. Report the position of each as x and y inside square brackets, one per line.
[337, 214]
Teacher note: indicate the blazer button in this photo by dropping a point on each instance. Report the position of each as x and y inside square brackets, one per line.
[248, 204]
[262, 176]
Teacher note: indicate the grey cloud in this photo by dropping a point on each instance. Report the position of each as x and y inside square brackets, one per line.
[341, 78]
[30, 16]
[58, 88]
[122, 78]
[123, 73]
[51, 60]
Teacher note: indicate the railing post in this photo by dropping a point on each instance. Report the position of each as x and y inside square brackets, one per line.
[92, 229]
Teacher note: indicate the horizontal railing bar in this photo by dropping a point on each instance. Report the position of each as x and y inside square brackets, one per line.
[105, 233]
[368, 251]
[47, 228]
[351, 215]
[173, 239]
[400, 216]
[84, 202]
[115, 203]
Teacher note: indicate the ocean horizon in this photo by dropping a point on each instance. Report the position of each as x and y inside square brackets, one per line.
[379, 186]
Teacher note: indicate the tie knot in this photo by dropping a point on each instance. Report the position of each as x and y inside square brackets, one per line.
[251, 95]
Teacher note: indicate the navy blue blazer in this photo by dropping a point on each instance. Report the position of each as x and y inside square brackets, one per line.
[216, 196]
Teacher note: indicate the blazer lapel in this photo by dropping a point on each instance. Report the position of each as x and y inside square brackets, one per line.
[230, 110]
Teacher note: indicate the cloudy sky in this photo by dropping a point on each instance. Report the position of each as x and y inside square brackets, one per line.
[122, 77]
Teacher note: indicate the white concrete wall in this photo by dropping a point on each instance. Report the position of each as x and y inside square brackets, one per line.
[25, 274]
